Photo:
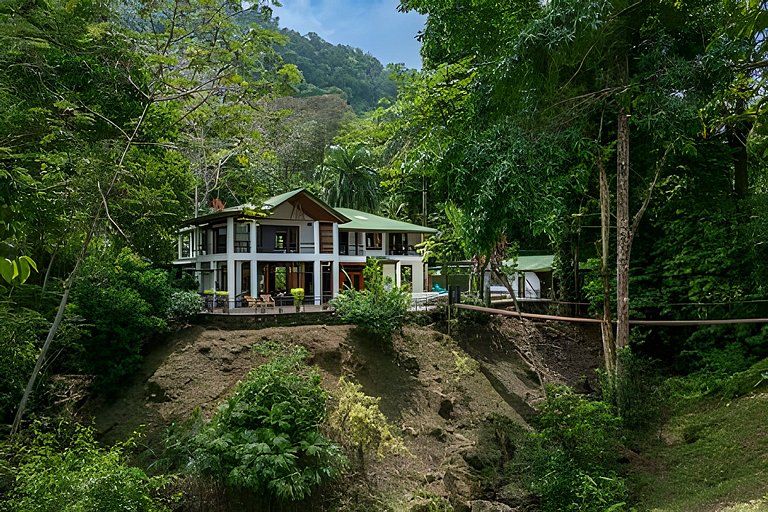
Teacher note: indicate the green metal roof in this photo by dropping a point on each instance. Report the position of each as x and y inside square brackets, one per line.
[364, 221]
[275, 201]
[223, 214]
[542, 263]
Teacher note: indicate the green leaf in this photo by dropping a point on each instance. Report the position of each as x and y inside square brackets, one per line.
[7, 270]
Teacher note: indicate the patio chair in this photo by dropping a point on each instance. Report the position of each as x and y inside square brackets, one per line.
[267, 301]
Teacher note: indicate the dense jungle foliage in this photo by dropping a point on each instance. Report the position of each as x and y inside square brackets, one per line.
[120, 119]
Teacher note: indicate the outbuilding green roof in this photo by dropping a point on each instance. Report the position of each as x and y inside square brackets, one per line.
[364, 221]
[541, 263]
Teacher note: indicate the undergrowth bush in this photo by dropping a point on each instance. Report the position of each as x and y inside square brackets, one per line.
[123, 301]
[361, 424]
[67, 471]
[466, 318]
[570, 462]
[19, 335]
[636, 391]
[266, 437]
[379, 309]
[184, 305]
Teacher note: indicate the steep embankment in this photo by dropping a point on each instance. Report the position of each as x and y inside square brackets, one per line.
[711, 455]
[440, 395]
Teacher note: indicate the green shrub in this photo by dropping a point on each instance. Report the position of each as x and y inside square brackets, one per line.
[298, 296]
[467, 318]
[68, 472]
[184, 305]
[636, 391]
[586, 430]
[570, 461]
[19, 330]
[361, 424]
[378, 310]
[266, 439]
[123, 301]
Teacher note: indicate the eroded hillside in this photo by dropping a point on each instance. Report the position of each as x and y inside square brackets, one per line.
[440, 395]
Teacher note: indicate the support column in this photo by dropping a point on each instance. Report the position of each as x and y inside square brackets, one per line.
[335, 240]
[316, 235]
[231, 270]
[335, 275]
[252, 237]
[317, 279]
[254, 278]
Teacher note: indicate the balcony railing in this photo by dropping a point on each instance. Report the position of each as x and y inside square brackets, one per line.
[352, 250]
[402, 251]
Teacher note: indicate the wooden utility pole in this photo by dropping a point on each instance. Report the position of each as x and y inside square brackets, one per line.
[623, 235]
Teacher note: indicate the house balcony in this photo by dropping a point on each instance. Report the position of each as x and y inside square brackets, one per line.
[352, 250]
[402, 251]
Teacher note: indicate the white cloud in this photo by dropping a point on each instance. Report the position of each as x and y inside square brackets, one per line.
[375, 26]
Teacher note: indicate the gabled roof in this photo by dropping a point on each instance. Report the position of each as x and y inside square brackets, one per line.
[310, 204]
[541, 263]
[275, 201]
[364, 221]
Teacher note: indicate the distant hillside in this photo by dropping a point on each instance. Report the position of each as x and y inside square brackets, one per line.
[339, 69]
[328, 68]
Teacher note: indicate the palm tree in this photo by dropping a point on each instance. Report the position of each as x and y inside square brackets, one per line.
[348, 178]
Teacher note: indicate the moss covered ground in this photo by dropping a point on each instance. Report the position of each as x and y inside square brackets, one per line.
[711, 454]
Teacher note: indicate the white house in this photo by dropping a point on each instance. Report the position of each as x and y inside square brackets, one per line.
[295, 240]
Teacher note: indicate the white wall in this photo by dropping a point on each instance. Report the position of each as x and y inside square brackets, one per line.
[532, 285]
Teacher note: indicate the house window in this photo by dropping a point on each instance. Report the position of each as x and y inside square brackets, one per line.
[280, 240]
[242, 237]
[221, 240]
[373, 241]
[186, 246]
[397, 243]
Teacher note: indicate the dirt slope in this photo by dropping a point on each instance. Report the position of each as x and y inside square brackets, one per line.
[430, 387]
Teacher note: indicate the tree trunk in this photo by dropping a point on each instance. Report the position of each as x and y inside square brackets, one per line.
[738, 142]
[623, 238]
[606, 327]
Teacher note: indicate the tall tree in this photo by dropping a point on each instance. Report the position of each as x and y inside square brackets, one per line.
[349, 180]
[179, 56]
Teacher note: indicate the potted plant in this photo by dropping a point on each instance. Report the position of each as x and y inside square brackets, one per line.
[298, 297]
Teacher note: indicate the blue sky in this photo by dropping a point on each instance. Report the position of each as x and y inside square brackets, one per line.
[374, 26]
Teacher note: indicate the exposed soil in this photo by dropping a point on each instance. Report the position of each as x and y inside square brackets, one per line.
[431, 389]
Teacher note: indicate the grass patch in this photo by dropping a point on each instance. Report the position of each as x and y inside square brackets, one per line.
[713, 456]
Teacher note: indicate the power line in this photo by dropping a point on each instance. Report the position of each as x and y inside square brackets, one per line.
[574, 319]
